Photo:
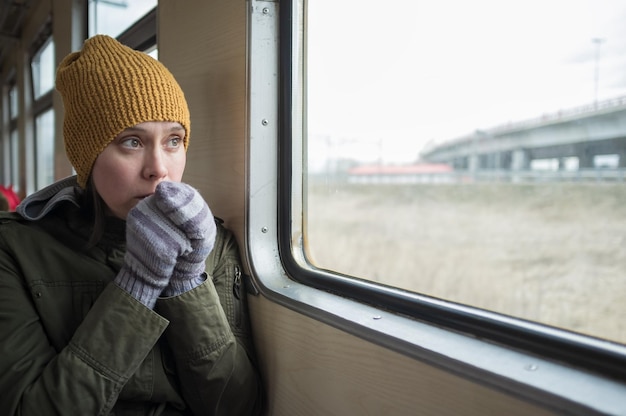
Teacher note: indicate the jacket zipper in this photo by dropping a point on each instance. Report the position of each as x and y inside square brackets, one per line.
[237, 293]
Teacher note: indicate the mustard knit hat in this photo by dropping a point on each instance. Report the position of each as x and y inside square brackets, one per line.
[108, 87]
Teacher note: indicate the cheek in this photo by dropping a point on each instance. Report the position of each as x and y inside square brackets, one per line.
[177, 167]
[111, 181]
[108, 188]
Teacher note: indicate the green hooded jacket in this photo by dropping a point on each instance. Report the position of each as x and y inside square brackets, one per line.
[74, 343]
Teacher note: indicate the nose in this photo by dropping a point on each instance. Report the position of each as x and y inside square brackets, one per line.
[154, 164]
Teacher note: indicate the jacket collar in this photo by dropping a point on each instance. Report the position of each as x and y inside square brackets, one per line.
[39, 204]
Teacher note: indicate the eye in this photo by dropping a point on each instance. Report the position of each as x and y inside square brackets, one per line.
[175, 142]
[131, 142]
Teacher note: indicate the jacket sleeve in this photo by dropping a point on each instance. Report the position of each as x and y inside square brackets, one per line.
[69, 341]
[87, 375]
[209, 334]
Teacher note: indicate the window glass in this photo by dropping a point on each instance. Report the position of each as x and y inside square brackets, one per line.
[13, 109]
[45, 148]
[10, 159]
[43, 69]
[472, 151]
[112, 17]
[14, 162]
[153, 52]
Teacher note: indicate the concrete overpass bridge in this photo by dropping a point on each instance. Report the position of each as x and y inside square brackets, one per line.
[582, 133]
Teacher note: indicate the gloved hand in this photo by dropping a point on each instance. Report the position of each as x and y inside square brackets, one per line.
[200, 229]
[159, 230]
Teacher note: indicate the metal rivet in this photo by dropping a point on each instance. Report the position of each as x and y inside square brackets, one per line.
[266, 10]
[38, 294]
[532, 367]
[265, 122]
[377, 317]
[264, 229]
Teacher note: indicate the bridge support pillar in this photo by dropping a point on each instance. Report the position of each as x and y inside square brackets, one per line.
[520, 159]
[622, 159]
[585, 158]
[473, 163]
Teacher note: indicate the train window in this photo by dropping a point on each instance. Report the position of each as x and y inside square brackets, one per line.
[153, 52]
[14, 161]
[44, 134]
[471, 152]
[112, 17]
[13, 104]
[43, 69]
[11, 155]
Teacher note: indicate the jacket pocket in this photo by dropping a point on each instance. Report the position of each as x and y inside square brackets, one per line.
[62, 306]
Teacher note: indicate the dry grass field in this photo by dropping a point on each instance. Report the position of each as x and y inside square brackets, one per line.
[548, 252]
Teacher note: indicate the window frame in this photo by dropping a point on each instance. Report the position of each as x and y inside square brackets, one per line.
[445, 334]
[142, 35]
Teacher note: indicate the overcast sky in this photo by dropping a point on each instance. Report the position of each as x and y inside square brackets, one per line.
[394, 75]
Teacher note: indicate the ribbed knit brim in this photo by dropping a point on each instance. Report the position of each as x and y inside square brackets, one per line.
[108, 87]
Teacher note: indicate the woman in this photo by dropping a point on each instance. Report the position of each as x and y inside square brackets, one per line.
[105, 306]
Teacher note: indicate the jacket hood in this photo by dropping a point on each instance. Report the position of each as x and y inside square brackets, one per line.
[38, 205]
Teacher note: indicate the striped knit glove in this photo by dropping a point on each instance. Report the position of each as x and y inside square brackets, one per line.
[200, 229]
[159, 231]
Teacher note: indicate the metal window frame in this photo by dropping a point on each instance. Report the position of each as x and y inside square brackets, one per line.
[142, 35]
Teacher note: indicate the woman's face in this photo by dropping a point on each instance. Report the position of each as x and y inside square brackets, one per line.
[138, 159]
